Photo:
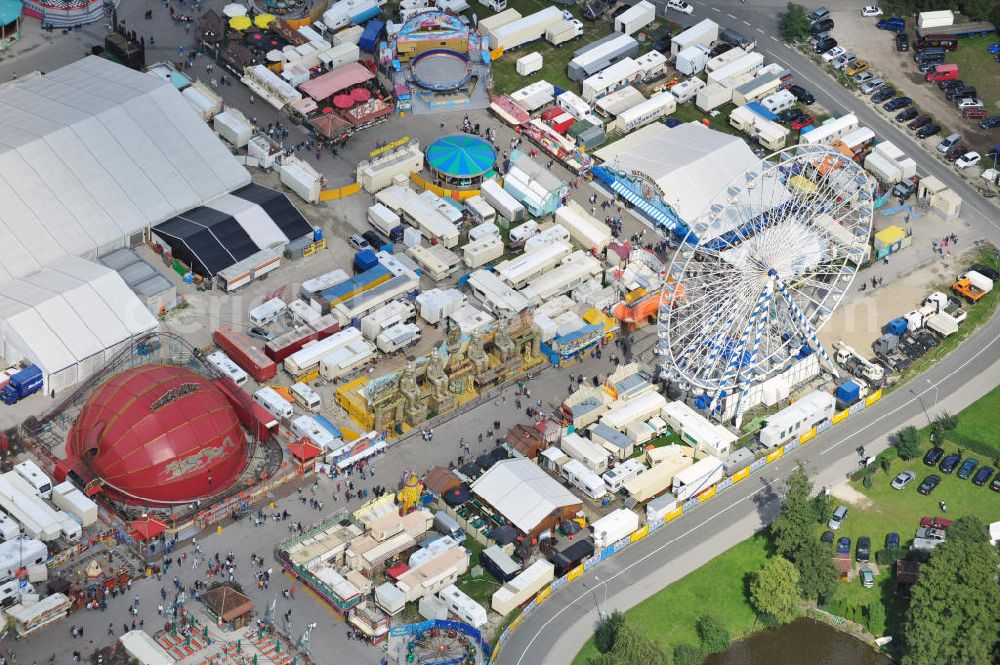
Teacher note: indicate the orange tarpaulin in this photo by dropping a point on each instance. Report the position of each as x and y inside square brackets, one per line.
[148, 527]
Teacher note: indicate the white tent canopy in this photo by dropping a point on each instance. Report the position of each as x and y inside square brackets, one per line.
[93, 153]
[522, 492]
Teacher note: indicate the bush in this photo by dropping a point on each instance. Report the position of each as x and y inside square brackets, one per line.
[713, 635]
[607, 631]
[688, 654]
[868, 480]
[888, 557]
[876, 617]
[907, 442]
[793, 23]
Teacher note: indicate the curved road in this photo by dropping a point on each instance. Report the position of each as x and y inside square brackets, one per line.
[555, 631]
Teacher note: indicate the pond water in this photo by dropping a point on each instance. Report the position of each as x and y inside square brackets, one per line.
[802, 641]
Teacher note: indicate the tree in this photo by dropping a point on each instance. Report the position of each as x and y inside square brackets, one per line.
[688, 654]
[794, 526]
[907, 442]
[794, 25]
[607, 631]
[876, 617]
[948, 421]
[817, 574]
[774, 590]
[631, 648]
[970, 528]
[713, 635]
[952, 615]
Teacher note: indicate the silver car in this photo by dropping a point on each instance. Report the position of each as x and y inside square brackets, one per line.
[839, 515]
[871, 85]
[902, 479]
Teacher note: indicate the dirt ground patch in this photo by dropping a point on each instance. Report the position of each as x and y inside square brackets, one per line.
[860, 36]
[845, 492]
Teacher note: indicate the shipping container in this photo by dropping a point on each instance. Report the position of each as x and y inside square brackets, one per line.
[245, 352]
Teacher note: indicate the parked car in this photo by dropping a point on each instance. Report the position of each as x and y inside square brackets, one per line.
[358, 243]
[970, 158]
[957, 94]
[838, 517]
[949, 463]
[680, 6]
[789, 115]
[985, 271]
[935, 523]
[907, 114]
[883, 93]
[892, 540]
[897, 103]
[968, 466]
[928, 131]
[871, 10]
[902, 479]
[857, 67]
[375, 239]
[841, 60]
[919, 121]
[982, 476]
[956, 152]
[862, 78]
[871, 85]
[953, 83]
[995, 485]
[844, 545]
[994, 47]
[933, 456]
[930, 533]
[925, 67]
[928, 485]
[902, 42]
[802, 121]
[867, 577]
[260, 333]
[825, 45]
[801, 94]
[863, 552]
[969, 103]
[827, 537]
[823, 25]
[833, 53]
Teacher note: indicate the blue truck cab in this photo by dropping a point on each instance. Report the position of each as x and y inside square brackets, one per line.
[22, 384]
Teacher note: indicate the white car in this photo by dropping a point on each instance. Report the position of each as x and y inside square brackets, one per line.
[680, 6]
[841, 60]
[967, 160]
[833, 53]
[970, 103]
[871, 10]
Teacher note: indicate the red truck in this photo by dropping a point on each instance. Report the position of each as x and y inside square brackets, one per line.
[947, 72]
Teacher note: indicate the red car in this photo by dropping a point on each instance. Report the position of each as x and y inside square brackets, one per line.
[935, 523]
[803, 121]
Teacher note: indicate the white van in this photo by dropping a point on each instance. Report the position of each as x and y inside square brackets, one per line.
[306, 397]
[11, 592]
[224, 365]
[267, 313]
[37, 478]
[275, 404]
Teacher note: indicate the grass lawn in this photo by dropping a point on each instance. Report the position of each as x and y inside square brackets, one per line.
[717, 587]
[978, 428]
[480, 588]
[976, 67]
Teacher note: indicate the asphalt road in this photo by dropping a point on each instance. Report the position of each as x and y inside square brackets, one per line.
[554, 633]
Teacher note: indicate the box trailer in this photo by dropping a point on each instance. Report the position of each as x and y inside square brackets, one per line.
[275, 404]
[650, 483]
[600, 55]
[308, 357]
[712, 96]
[348, 357]
[624, 72]
[586, 230]
[692, 60]
[697, 478]
[659, 508]
[935, 19]
[738, 71]
[615, 478]
[21, 553]
[686, 90]
[564, 31]
[814, 410]
[394, 313]
[487, 25]
[506, 205]
[705, 33]
[496, 296]
[613, 527]
[524, 30]
[436, 262]
[29, 617]
[583, 479]
[574, 270]
[593, 455]
[639, 409]
[658, 106]
[19, 500]
[635, 18]
[519, 590]
[482, 212]
[397, 337]
[483, 251]
[222, 364]
[463, 607]
[385, 221]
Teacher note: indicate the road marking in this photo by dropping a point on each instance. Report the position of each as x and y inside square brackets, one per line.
[731, 16]
[773, 38]
[760, 31]
[716, 9]
[916, 398]
[746, 22]
[527, 647]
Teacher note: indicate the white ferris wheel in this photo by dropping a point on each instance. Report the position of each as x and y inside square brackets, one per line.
[762, 269]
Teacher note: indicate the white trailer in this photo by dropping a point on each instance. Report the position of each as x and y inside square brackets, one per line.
[943, 324]
[464, 607]
[307, 358]
[394, 313]
[584, 479]
[613, 527]
[9, 528]
[593, 455]
[436, 262]
[778, 102]
[274, 403]
[624, 72]
[697, 478]
[397, 337]
[686, 90]
[705, 33]
[574, 270]
[40, 480]
[615, 478]
[564, 31]
[21, 553]
[506, 205]
[557, 233]
[635, 18]
[347, 358]
[520, 270]
[268, 312]
[27, 618]
[481, 211]
[517, 591]
[306, 397]
[495, 295]
[573, 104]
[660, 507]
[19, 500]
[692, 60]
[658, 106]
[935, 19]
[639, 409]
[382, 219]
[737, 71]
[73, 502]
[585, 229]
[811, 411]
[534, 95]
[650, 483]
[480, 252]
[525, 29]
[487, 25]
[307, 427]
[225, 366]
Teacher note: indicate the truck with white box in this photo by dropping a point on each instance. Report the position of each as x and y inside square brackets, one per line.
[613, 527]
[697, 478]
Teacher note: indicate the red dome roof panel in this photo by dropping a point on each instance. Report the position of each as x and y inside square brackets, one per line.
[160, 434]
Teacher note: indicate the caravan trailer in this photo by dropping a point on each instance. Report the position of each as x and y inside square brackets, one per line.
[615, 478]
[224, 365]
[584, 479]
[275, 404]
[37, 478]
[306, 397]
[268, 312]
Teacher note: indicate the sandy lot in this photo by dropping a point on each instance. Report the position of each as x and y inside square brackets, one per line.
[845, 492]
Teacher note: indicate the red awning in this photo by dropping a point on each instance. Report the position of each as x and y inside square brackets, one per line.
[361, 94]
[343, 101]
[304, 450]
[396, 570]
[148, 527]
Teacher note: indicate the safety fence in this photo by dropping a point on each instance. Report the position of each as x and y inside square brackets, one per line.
[340, 192]
[687, 506]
